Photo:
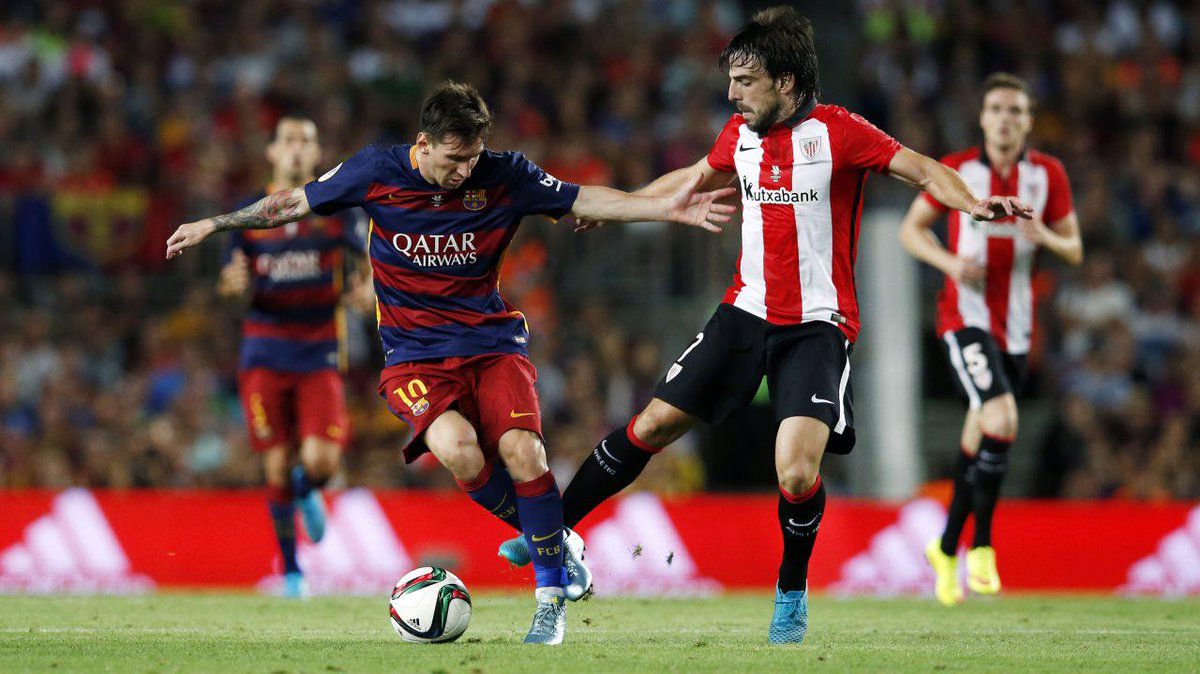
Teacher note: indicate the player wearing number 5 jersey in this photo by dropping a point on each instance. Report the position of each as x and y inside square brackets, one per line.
[985, 310]
[443, 211]
[792, 310]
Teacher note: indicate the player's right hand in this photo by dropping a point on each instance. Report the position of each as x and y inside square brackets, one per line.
[967, 272]
[188, 235]
[235, 276]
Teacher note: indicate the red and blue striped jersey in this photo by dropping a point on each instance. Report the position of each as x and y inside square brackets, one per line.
[436, 253]
[296, 275]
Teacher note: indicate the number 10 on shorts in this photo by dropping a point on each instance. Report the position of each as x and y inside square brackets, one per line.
[413, 395]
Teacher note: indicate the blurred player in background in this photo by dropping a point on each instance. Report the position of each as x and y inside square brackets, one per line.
[289, 380]
[444, 210]
[985, 310]
[792, 309]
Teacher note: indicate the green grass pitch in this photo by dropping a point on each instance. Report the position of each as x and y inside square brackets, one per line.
[246, 633]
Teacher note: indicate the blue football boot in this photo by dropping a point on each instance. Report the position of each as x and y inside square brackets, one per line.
[312, 507]
[515, 550]
[790, 622]
[294, 586]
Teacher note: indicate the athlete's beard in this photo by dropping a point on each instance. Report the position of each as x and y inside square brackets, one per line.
[772, 116]
[767, 119]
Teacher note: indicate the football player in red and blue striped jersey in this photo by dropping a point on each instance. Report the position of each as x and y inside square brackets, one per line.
[443, 212]
[289, 379]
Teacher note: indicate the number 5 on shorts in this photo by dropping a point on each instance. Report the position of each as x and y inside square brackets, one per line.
[977, 366]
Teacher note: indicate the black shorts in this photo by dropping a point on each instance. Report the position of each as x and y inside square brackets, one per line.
[721, 370]
[980, 369]
[808, 374]
[807, 369]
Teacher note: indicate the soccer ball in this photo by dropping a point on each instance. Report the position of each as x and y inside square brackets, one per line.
[430, 605]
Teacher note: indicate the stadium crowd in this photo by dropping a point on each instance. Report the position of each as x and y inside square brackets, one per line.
[121, 119]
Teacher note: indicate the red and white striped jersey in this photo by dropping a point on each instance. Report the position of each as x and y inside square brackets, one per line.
[802, 190]
[1004, 307]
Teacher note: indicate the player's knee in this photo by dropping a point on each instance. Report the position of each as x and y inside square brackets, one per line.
[459, 452]
[320, 457]
[275, 467]
[998, 417]
[660, 424]
[524, 454]
[797, 478]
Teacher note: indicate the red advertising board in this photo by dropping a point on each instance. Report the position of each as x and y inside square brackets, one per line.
[80, 540]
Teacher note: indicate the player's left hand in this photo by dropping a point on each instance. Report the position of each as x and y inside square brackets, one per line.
[361, 296]
[995, 208]
[188, 235]
[697, 208]
[1034, 231]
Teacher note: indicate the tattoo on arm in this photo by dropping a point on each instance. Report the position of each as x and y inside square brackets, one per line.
[272, 210]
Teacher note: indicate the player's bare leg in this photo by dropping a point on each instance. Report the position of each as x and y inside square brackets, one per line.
[319, 461]
[611, 467]
[799, 446]
[280, 502]
[540, 508]
[998, 429]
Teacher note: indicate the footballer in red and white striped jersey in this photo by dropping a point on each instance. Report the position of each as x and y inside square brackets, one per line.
[985, 311]
[1003, 304]
[802, 189]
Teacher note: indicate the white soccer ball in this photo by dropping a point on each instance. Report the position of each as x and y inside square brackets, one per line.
[430, 605]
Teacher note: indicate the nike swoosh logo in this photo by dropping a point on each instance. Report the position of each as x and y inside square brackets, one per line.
[515, 414]
[815, 399]
[536, 539]
[604, 448]
[743, 148]
[499, 505]
[797, 524]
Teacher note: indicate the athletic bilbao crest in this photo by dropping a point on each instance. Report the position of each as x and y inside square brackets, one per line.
[475, 200]
[810, 147]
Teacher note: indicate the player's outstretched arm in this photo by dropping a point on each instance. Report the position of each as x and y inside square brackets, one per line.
[947, 186]
[670, 183]
[685, 205]
[272, 210]
[918, 239]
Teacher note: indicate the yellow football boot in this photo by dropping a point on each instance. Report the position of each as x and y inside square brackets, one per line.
[982, 576]
[947, 589]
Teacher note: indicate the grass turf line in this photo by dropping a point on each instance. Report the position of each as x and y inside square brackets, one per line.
[246, 633]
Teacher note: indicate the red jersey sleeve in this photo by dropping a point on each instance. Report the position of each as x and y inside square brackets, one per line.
[720, 157]
[864, 145]
[1059, 203]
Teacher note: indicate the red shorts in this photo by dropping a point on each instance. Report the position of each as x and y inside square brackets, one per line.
[282, 408]
[495, 392]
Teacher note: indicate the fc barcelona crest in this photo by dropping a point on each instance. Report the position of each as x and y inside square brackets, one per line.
[810, 147]
[420, 407]
[475, 200]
